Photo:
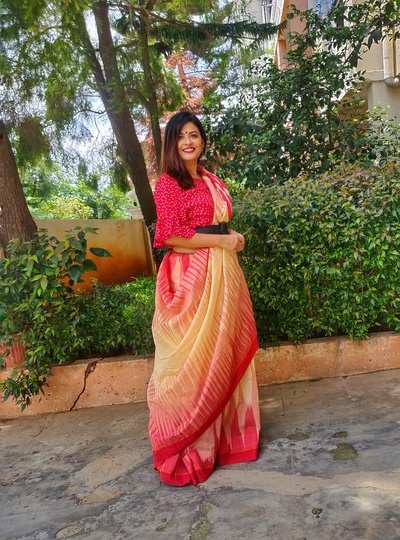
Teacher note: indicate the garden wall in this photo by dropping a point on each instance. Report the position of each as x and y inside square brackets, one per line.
[123, 379]
[126, 239]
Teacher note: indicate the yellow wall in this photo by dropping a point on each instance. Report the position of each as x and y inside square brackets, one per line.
[294, 25]
[379, 94]
[127, 241]
[372, 61]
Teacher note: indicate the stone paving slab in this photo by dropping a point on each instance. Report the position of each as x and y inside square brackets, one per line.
[329, 469]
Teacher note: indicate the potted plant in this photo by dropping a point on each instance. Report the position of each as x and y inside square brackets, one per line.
[14, 354]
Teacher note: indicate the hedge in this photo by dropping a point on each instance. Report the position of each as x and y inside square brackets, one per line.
[116, 319]
[107, 321]
[323, 254]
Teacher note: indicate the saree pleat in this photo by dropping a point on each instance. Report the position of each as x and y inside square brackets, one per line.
[202, 395]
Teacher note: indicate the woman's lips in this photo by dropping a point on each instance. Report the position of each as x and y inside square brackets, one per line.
[189, 150]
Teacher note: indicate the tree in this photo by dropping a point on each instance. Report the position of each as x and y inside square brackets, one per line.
[144, 22]
[194, 86]
[51, 49]
[15, 218]
[280, 123]
[113, 95]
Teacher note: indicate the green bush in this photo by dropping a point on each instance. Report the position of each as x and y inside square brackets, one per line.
[378, 141]
[115, 319]
[36, 280]
[103, 322]
[39, 308]
[271, 124]
[323, 254]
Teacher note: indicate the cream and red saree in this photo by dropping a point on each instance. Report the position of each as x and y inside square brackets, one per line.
[202, 395]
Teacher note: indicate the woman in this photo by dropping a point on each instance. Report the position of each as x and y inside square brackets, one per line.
[202, 395]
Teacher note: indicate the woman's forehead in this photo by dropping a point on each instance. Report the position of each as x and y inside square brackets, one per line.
[189, 127]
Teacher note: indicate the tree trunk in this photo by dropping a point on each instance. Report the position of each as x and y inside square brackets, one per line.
[152, 105]
[112, 93]
[15, 218]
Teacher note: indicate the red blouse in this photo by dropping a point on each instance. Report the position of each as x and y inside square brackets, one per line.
[180, 211]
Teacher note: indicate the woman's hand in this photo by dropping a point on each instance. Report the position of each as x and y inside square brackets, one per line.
[233, 241]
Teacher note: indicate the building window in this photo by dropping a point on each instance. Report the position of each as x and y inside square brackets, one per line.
[267, 7]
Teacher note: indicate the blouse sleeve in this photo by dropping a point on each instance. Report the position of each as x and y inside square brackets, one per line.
[171, 215]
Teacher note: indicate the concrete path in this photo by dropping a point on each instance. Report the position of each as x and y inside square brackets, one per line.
[329, 470]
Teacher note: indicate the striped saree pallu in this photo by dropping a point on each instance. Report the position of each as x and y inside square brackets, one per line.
[202, 395]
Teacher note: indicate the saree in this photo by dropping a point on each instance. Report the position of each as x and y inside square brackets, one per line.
[202, 394]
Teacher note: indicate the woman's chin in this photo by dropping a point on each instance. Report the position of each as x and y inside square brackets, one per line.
[189, 158]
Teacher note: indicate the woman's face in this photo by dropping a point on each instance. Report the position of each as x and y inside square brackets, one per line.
[190, 143]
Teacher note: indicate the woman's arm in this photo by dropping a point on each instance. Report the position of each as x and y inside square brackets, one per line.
[232, 241]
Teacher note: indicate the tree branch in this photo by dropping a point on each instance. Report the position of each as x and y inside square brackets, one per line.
[90, 111]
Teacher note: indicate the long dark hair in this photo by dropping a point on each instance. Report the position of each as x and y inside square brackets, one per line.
[171, 162]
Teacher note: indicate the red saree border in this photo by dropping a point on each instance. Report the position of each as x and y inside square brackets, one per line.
[159, 456]
[184, 479]
[239, 457]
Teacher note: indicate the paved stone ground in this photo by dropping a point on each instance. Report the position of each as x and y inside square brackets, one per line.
[330, 469]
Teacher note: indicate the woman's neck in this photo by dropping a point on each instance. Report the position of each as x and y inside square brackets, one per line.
[192, 169]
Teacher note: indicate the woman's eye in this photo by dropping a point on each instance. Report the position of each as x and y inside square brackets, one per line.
[191, 136]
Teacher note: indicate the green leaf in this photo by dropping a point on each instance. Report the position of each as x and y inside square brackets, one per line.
[89, 265]
[29, 267]
[43, 283]
[100, 252]
[75, 273]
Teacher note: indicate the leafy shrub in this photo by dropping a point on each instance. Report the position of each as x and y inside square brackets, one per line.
[115, 319]
[272, 124]
[322, 255]
[38, 307]
[36, 279]
[65, 206]
[379, 141]
[103, 322]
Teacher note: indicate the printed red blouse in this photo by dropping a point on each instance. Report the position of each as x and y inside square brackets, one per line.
[180, 211]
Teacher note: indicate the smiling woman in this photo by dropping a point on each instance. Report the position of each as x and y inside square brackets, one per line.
[202, 395]
[184, 144]
[190, 146]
